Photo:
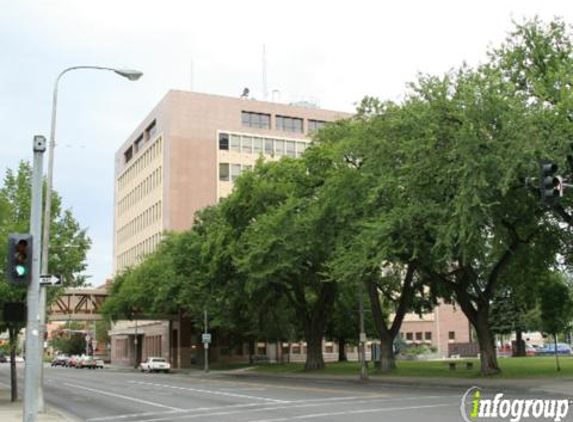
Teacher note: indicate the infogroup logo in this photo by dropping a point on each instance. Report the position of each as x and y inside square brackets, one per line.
[476, 407]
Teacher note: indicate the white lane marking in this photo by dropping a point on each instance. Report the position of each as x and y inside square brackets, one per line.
[119, 396]
[199, 409]
[263, 408]
[242, 389]
[219, 393]
[351, 412]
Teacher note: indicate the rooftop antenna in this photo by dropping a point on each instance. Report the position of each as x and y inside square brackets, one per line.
[265, 95]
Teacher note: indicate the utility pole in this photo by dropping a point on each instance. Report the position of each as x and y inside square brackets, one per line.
[206, 344]
[363, 369]
[33, 362]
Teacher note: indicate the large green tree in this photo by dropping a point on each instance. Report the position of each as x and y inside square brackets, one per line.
[69, 243]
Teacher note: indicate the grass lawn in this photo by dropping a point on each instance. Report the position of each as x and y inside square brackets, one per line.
[529, 367]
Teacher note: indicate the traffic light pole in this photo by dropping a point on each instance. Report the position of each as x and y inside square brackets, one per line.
[33, 362]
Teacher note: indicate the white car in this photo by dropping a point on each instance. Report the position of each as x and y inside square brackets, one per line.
[154, 364]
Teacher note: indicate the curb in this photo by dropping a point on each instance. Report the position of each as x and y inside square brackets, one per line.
[443, 383]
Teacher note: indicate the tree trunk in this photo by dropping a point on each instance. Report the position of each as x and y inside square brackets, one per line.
[488, 356]
[315, 326]
[387, 357]
[519, 344]
[251, 351]
[342, 350]
[13, 375]
[314, 333]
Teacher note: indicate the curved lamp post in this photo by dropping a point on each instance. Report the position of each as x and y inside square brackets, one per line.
[132, 75]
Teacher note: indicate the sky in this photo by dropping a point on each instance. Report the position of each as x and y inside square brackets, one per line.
[330, 52]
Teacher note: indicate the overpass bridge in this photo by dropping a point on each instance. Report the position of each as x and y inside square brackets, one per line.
[78, 304]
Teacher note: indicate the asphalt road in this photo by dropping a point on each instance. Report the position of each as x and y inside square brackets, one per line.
[110, 396]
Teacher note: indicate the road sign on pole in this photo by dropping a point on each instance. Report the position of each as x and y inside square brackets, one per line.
[50, 280]
[207, 338]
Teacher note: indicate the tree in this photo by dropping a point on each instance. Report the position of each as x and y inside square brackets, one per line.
[556, 307]
[67, 341]
[69, 242]
[284, 232]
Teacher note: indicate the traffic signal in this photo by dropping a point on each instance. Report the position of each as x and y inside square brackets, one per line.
[19, 270]
[550, 185]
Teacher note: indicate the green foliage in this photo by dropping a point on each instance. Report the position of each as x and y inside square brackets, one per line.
[556, 304]
[69, 243]
[69, 343]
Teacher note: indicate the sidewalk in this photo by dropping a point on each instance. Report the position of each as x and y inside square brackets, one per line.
[12, 412]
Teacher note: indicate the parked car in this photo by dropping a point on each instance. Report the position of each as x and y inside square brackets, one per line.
[530, 350]
[155, 364]
[71, 363]
[562, 349]
[60, 360]
[3, 359]
[86, 362]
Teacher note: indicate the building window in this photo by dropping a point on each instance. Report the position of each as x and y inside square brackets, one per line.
[224, 141]
[314, 125]
[289, 124]
[410, 336]
[128, 154]
[235, 143]
[451, 335]
[247, 145]
[138, 144]
[290, 149]
[150, 131]
[258, 120]
[418, 336]
[235, 171]
[279, 148]
[224, 172]
[269, 150]
[428, 335]
[300, 148]
[257, 146]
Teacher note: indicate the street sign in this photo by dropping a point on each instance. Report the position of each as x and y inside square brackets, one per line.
[50, 280]
[206, 338]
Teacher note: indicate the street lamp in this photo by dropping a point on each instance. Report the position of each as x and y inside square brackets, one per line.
[132, 75]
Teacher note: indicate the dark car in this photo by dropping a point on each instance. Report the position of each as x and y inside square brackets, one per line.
[60, 360]
[3, 359]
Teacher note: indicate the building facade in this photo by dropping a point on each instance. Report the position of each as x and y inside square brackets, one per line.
[185, 155]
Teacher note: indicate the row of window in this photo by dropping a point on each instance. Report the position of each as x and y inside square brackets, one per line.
[419, 336]
[284, 123]
[121, 349]
[141, 163]
[143, 220]
[152, 346]
[228, 172]
[139, 192]
[146, 136]
[133, 255]
[248, 144]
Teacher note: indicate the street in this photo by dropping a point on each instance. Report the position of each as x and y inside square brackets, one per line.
[107, 395]
[110, 395]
